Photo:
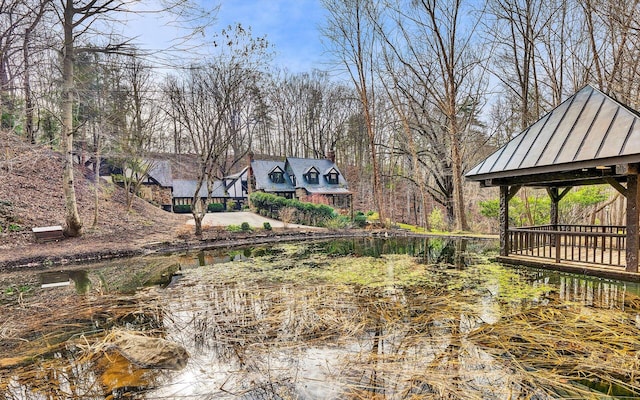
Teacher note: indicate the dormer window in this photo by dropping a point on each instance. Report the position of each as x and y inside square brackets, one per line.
[311, 175]
[277, 175]
[332, 176]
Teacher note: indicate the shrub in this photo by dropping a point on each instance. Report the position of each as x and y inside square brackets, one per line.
[234, 228]
[360, 220]
[184, 232]
[232, 205]
[14, 228]
[182, 208]
[215, 207]
[276, 207]
[245, 227]
[287, 215]
[436, 220]
[266, 226]
[337, 222]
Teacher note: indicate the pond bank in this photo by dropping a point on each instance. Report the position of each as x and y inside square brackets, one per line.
[218, 239]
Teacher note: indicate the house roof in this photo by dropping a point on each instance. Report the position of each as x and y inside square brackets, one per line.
[588, 131]
[184, 188]
[300, 166]
[261, 170]
[327, 190]
[160, 171]
[237, 174]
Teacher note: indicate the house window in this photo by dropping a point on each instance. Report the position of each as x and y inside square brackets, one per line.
[293, 179]
[332, 178]
[277, 177]
[312, 177]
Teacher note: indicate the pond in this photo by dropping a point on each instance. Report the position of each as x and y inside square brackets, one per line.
[349, 319]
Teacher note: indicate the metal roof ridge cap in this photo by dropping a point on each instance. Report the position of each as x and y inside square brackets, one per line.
[548, 117]
[618, 102]
[606, 134]
[564, 142]
[593, 121]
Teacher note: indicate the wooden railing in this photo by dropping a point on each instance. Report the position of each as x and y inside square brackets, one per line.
[593, 244]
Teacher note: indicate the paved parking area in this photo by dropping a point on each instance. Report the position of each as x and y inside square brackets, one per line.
[237, 218]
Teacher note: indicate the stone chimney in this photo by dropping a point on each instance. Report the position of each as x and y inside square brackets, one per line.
[332, 156]
[250, 178]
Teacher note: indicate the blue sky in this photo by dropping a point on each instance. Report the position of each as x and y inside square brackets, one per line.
[290, 26]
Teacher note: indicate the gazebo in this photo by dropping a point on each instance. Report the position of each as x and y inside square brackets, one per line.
[589, 139]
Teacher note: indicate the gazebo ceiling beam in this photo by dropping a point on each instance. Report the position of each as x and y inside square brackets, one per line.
[558, 179]
[617, 186]
[555, 196]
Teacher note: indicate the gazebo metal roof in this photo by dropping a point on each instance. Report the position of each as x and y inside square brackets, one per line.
[586, 139]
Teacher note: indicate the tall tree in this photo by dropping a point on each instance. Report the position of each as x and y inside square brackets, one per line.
[137, 120]
[442, 77]
[207, 102]
[76, 18]
[354, 43]
[19, 19]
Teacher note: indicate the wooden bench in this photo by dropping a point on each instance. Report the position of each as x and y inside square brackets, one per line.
[47, 233]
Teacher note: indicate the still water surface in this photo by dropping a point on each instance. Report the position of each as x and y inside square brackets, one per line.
[356, 319]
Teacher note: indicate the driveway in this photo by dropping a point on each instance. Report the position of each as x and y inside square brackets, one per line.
[237, 218]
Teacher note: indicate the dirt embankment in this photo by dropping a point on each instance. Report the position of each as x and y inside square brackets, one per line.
[31, 195]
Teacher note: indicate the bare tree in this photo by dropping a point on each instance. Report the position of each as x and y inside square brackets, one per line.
[138, 125]
[354, 42]
[76, 18]
[18, 22]
[206, 103]
[310, 112]
[441, 79]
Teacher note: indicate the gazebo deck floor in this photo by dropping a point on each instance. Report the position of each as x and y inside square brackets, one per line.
[575, 266]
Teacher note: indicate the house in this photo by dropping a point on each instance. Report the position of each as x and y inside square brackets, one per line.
[230, 191]
[169, 182]
[158, 184]
[306, 179]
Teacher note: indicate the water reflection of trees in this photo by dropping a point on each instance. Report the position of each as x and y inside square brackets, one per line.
[51, 348]
[275, 340]
[368, 342]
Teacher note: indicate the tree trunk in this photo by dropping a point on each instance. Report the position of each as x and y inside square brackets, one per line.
[456, 161]
[96, 183]
[28, 101]
[72, 217]
[198, 213]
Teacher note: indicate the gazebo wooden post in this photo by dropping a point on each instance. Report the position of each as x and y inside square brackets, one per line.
[504, 221]
[553, 220]
[633, 206]
[553, 194]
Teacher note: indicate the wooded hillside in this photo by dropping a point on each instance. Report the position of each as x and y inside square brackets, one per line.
[413, 94]
[31, 196]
